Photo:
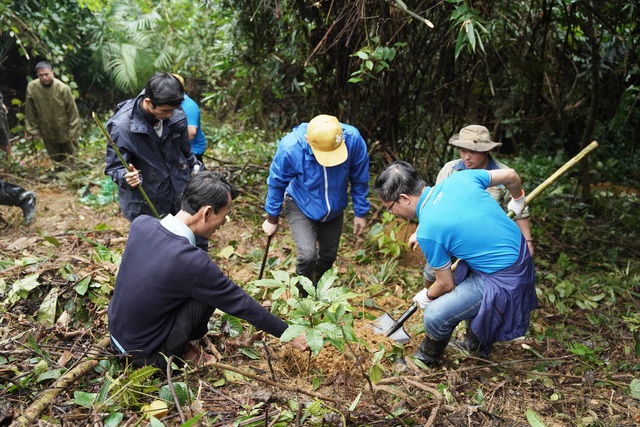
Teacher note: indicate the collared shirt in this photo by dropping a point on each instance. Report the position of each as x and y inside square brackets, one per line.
[178, 227]
[150, 288]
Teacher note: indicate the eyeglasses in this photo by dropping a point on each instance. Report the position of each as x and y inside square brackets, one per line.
[391, 206]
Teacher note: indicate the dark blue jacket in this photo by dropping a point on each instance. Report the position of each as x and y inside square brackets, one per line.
[165, 162]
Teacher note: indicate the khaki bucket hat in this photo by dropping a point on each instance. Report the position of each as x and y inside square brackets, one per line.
[474, 138]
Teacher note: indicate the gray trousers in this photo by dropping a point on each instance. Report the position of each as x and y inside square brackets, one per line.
[316, 242]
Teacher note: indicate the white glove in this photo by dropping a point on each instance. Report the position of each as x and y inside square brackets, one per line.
[516, 205]
[196, 168]
[421, 298]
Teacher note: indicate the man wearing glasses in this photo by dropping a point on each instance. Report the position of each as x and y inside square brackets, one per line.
[494, 282]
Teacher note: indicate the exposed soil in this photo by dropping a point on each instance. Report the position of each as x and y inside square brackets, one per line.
[533, 373]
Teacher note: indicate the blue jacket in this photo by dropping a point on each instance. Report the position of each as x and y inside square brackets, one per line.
[320, 192]
[165, 162]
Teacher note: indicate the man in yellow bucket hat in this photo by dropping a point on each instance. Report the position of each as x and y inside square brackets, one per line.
[310, 175]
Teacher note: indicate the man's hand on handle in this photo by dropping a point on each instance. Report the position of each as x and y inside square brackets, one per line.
[517, 205]
[133, 177]
[269, 228]
[422, 299]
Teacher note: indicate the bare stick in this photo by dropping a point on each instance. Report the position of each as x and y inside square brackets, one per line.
[124, 163]
[403, 7]
[173, 390]
[557, 174]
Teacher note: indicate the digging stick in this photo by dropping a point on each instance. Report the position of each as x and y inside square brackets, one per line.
[264, 258]
[557, 174]
[535, 193]
[124, 162]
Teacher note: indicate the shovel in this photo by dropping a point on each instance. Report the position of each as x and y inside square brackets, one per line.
[393, 328]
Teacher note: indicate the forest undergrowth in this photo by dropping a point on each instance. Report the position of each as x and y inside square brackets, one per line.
[577, 365]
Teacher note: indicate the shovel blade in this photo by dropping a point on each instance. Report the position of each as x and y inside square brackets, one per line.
[382, 325]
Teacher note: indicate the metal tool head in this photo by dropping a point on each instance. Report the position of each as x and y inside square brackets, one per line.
[385, 322]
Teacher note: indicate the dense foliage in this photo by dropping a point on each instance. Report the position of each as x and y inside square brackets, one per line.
[543, 76]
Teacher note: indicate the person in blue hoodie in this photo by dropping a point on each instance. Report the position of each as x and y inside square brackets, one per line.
[312, 172]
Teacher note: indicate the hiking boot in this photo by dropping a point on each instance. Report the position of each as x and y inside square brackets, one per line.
[470, 342]
[14, 195]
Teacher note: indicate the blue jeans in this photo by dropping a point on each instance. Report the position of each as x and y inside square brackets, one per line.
[316, 242]
[447, 311]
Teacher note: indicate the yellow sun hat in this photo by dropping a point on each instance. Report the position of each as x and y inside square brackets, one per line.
[324, 135]
[179, 77]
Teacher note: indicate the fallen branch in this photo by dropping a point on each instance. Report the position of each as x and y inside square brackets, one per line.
[273, 383]
[36, 408]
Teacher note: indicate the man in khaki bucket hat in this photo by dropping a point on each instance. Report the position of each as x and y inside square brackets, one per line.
[315, 168]
[474, 138]
[474, 144]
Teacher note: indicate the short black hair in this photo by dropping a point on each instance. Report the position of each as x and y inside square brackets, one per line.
[164, 89]
[398, 178]
[207, 188]
[43, 65]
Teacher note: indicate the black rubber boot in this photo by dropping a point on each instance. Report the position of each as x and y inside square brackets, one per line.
[14, 195]
[471, 342]
[431, 351]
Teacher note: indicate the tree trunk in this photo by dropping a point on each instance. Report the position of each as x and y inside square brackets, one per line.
[587, 135]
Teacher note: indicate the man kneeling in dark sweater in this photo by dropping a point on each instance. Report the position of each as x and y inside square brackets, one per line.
[167, 288]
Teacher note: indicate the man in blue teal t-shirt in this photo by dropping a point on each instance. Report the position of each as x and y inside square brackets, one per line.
[192, 111]
[494, 283]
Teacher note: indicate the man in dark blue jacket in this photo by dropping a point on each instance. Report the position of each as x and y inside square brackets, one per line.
[167, 288]
[151, 133]
[310, 175]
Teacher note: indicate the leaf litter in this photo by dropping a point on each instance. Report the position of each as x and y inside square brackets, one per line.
[524, 382]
